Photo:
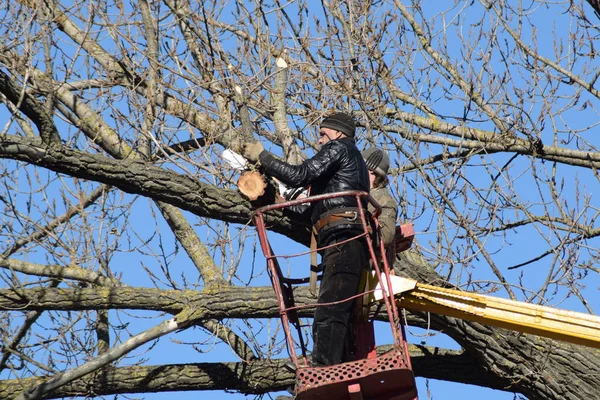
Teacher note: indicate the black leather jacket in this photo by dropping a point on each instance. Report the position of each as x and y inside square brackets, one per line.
[337, 167]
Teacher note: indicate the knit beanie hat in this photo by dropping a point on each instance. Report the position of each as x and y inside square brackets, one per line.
[340, 122]
[377, 160]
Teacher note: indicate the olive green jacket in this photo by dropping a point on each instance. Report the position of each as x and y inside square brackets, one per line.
[389, 213]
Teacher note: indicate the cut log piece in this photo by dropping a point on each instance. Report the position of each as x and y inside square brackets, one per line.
[252, 185]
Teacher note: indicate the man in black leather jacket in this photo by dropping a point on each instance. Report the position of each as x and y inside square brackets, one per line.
[338, 166]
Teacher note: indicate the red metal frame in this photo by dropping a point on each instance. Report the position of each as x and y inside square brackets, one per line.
[387, 376]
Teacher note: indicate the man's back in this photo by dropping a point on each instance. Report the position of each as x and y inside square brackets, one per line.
[389, 213]
[337, 167]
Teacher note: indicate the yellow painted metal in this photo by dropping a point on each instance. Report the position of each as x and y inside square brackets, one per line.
[569, 326]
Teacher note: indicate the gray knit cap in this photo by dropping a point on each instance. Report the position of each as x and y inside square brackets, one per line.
[340, 122]
[377, 160]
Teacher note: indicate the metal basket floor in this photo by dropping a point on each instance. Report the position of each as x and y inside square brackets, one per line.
[384, 377]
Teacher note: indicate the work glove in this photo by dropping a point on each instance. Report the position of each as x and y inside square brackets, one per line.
[252, 150]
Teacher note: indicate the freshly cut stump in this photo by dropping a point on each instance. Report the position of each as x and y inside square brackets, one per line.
[252, 184]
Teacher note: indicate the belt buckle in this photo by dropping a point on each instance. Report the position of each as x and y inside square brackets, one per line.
[355, 217]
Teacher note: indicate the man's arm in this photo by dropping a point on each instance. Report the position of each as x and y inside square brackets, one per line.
[324, 163]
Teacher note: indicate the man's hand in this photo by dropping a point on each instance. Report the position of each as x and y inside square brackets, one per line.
[252, 150]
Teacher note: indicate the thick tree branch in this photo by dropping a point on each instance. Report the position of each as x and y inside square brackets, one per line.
[56, 272]
[31, 107]
[256, 377]
[137, 177]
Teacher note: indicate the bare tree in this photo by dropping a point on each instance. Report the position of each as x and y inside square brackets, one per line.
[123, 232]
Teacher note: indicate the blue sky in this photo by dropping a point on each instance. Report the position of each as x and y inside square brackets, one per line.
[138, 252]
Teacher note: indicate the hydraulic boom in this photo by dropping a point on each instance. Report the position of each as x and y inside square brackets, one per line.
[569, 326]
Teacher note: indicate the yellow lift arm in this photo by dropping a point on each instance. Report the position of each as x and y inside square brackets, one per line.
[569, 326]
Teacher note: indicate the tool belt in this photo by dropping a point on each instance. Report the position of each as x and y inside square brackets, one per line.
[349, 214]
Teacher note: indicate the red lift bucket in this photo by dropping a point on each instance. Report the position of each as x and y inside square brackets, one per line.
[388, 376]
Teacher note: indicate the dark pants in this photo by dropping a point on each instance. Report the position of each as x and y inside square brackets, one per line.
[343, 266]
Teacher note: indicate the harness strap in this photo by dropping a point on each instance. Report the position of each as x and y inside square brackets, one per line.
[330, 218]
[312, 287]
